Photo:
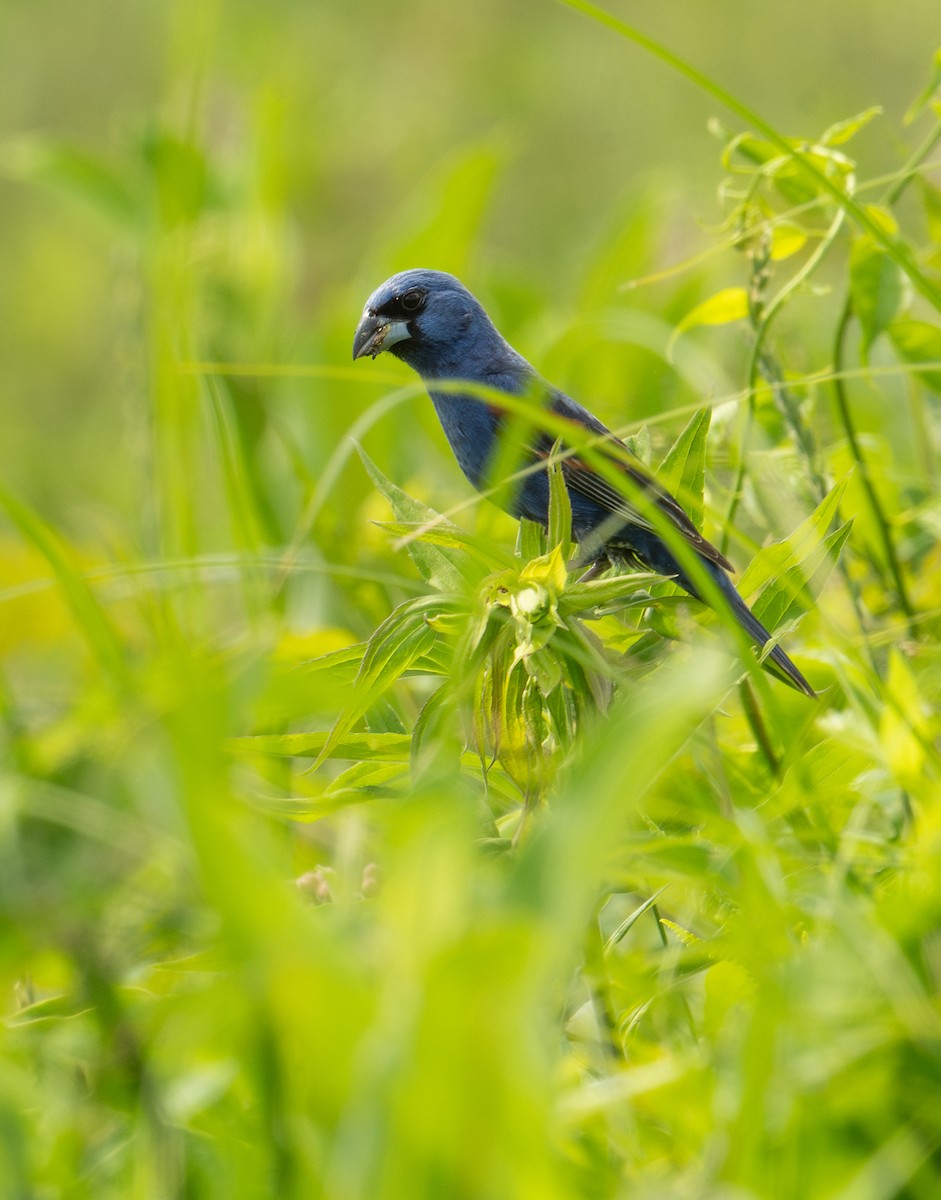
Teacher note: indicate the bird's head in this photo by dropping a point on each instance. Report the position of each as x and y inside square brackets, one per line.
[430, 321]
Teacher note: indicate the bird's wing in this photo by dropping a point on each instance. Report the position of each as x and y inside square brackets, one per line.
[582, 478]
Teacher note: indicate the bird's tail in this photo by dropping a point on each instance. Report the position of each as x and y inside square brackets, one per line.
[776, 660]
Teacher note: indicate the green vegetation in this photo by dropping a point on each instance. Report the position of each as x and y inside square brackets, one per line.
[352, 845]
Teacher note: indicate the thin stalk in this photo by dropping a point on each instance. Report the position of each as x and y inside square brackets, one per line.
[865, 477]
[910, 170]
[756, 724]
[892, 194]
[759, 364]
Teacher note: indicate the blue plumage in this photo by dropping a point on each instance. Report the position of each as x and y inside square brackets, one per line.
[432, 322]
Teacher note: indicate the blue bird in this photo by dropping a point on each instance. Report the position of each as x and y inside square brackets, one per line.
[429, 320]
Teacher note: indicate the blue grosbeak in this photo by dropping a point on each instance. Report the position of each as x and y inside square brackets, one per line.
[429, 320]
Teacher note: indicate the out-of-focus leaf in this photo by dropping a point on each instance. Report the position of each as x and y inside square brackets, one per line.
[906, 728]
[372, 746]
[919, 343]
[924, 98]
[447, 568]
[786, 239]
[931, 196]
[49, 1009]
[883, 217]
[788, 180]
[365, 780]
[731, 304]
[91, 619]
[75, 173]
[361, 782]
[181, 172]
[842, 131]
[453, 205]
[876, 289]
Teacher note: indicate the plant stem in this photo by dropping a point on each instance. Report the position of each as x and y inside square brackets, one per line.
[890, 196]
[757, 725]
[761, 364]
[865, 477]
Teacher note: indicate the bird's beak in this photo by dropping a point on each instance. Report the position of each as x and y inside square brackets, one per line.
[375, 334]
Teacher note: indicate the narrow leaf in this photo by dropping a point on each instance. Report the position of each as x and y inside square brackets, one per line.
[90, 617]
[451, 537]
[447, 568]
[380, 747]
[579, 597]
[402, 639]
[842, 131]
[560, 511]
[921, 102]
[794, 592]
[683, 470]
[772, 561]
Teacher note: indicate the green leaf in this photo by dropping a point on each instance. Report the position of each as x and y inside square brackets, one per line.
[794, 592]
[381, 747]
[908, 723]
[341, 664]
[921, 102]
[786, 239]
[918, 343]
[401, 640]
[876, 289]
[90, 617]
[629, 589]
[532, 539]
[365, 780]
[545, 669]
[683, 470]
[796, 569]
[639, 444]
[842, 131]
[772, 561]
[181, 173]
[445, 568]
[560, 511]
[931, 196]
[427, 722]
[452, 538]
[359, 783]
[731, 304]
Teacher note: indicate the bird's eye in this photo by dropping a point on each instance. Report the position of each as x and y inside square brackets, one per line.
[413, 300]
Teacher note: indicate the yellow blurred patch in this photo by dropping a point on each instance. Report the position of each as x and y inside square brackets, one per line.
[32, 611]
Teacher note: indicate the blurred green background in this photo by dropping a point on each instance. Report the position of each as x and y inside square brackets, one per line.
[325, 145]
[195, 200]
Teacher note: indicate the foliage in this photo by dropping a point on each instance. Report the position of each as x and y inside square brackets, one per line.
[351, 857]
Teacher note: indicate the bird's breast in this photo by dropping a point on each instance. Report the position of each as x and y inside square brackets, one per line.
[471, 427]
